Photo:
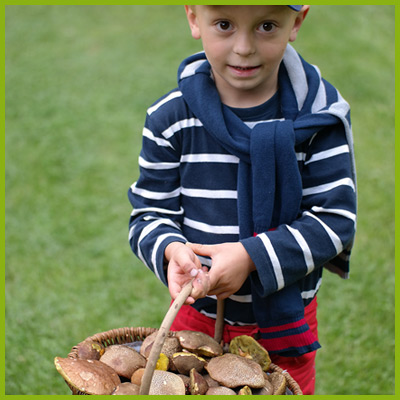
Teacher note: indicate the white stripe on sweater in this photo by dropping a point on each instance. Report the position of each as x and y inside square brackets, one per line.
[230, 322]
[210, 194]
[159, 210]
[301, 156]
[245, 298]
[157, 165]
[216, 229]
[309, 294]
[320, 98]
[276, 265]
[328, 186]
[171, 96]
[148, 194]
[179, 125]
[337, 211]
[323, 155]
[159, 141]
[150, 228]
[239, 298]
[296, 74]
[191, 68]
[308, 258]
[157, 244]
[252, 124]
[212, 158]
[333, 236]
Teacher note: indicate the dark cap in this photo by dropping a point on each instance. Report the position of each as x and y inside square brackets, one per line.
[295, 8]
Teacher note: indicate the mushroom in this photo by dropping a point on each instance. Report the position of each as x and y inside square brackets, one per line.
[198, 384]
[186, 381]
[268, 389]
[90, 350]
[232, 371]
[87, 376]
[169, 348]
[185, 361]
[245, 390]
[124, 360]
[220, 390]
[126, 388]
[199, 343]
[163, 362]
[247, 346]
[278, 382]
[210, 381]
[166, 383]
[137, 376]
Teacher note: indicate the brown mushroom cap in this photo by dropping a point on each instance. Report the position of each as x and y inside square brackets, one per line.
[126, 388]
[124, 360]
[247, 346]
[210, 381]
[185, 361]
[137, 376]
[186, 381]
[170, 346]
[268, 389]
[220, 390]
[199, 343]
[278, 382]
[232, 371]
[90, 350]
[166, 383]
[88, 376]
[198, 385]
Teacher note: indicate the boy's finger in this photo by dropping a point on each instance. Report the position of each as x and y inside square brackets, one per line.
[201, 249]
[201, 285]
[190, 300]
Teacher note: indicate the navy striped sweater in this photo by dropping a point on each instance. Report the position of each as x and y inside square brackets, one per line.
[187, 191]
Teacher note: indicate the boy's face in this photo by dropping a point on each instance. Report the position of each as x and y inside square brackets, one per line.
[245, 45]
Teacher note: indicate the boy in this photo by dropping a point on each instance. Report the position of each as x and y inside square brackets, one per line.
[247, 182]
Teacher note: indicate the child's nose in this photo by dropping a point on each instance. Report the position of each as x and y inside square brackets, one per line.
[244, 44]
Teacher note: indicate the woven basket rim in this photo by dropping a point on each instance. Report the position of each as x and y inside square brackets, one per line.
[130, 334]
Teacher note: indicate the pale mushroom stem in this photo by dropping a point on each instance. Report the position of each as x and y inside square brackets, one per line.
[161, 336]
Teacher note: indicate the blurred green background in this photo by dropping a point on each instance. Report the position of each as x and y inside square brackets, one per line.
[78, 82]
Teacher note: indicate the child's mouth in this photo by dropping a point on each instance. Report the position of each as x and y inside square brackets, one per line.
[244, 70]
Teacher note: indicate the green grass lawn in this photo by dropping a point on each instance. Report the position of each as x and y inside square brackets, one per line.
[78, 82]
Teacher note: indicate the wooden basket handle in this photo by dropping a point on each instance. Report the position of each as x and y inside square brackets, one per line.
[161, 336]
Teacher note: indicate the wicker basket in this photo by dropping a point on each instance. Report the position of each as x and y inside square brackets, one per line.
[127, 335]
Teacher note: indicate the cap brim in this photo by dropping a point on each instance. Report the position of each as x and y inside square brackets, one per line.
[296, 8]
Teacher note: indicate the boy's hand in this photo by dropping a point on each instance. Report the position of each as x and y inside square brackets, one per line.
[231, 265]
[183, 265]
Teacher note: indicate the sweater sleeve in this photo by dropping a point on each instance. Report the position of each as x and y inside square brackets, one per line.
[157, 213]
[326, 225]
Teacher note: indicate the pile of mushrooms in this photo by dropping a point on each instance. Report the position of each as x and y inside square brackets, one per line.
[178, 363]
[190, 363]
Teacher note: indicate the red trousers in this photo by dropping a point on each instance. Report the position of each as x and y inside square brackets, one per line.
[301, 368]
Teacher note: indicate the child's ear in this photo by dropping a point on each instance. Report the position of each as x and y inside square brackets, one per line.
[298, 22]
[193, 24]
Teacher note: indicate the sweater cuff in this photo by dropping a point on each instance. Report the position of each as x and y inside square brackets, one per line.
[263, 280]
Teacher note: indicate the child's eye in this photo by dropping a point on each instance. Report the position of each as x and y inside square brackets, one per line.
[267, 27]
[224, 25]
